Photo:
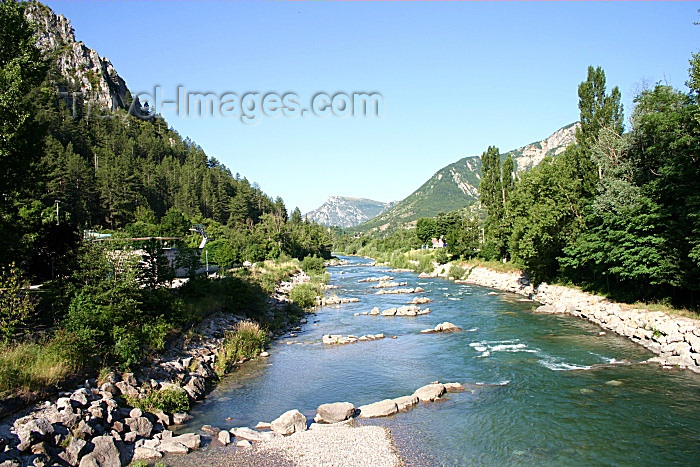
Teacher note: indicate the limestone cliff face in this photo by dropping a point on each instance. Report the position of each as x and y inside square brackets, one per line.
[531, 155]
[93, 75]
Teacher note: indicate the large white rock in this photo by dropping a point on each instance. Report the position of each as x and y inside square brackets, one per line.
[335, 412]
[289, 422]
[430, 392]
[405, 402]
[379, 409]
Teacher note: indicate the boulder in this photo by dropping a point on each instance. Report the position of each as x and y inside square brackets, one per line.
[375, 311]
[243, 444]
[74, 451]
[172, 447]
[32, 432]
[454, 387]
[379, 409]
[105, 452]
[252, 435]
[447, 327]
[180, 418]
[195, 388]
[144, 453]
[405, 402]
[224, 437]
[191, 440]
[141, 426]
[289, 422]
[126, 389]
[430, 392]
[335, 412]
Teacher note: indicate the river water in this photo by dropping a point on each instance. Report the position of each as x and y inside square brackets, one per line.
[541, 389]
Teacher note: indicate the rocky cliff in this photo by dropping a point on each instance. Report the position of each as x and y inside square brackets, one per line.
[531, 155]
[342, 211]
[78, 64]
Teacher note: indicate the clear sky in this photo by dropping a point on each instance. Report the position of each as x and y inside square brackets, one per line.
[455, 77]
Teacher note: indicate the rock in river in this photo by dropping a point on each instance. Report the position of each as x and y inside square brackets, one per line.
[333, 413]
[379, 409]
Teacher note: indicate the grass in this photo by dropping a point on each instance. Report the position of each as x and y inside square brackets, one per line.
[167, 400]
[270, 273]
[246, 341]
[30, 367]
[494, 265]
[664, 308]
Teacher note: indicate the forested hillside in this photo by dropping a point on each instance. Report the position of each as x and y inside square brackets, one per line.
[77, 155]
[68, 165]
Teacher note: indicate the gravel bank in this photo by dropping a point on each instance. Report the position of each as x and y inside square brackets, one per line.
[336, 446]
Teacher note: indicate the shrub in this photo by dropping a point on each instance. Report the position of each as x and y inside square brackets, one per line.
[167, 400]
[441, 256]
[457, 272]
[304, 295]
[312, 265]
[16, 306]
[246, 341]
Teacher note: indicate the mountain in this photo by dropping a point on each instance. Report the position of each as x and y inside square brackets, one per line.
[90, 74]
[456, 186]
[343, 211]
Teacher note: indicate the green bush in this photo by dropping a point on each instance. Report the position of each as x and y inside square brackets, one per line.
[312, 265]
[457, 272]
[441, 256]
[246, 341]
[304, 295]
[425, 264]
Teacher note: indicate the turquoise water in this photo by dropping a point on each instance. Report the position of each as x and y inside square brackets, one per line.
[541, 389]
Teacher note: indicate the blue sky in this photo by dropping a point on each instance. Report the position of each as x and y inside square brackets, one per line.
[455, 77]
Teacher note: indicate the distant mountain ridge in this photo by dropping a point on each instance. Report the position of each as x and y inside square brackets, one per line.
[456, 186]
[344, 211]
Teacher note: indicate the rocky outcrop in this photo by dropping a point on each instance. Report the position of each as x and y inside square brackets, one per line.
[338, 339]
[94, 76]
[674, 339]
[406, 310]
[388, 284]
[445, 327]
[376, 279]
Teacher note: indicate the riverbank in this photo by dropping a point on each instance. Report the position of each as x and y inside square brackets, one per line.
[124, 417]
[675, 340]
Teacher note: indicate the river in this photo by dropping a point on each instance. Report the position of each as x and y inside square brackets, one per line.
[541, 389]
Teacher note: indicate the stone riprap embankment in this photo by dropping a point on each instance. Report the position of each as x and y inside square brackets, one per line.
[675, 340]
